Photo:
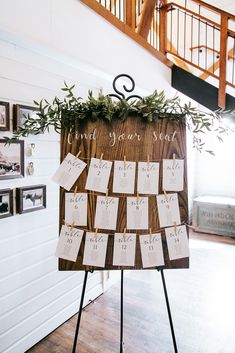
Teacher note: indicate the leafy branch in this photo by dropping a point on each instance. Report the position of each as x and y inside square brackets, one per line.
[69, 112]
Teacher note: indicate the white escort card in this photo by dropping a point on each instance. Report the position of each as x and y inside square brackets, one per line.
[148, 178]
[76, 208]
[124, 177]
[69, 243]
[98, 175]
[151, 250]
[168, 210]
[95, 249]
[69, 171]
[137, 213]
[177, 242]
[173, 174]
[106, 212]
[124, 249]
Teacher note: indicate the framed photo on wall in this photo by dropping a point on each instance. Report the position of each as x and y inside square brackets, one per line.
[19, 113]
[6, 203]
[4, 116]
[11, 159]
[30, 198]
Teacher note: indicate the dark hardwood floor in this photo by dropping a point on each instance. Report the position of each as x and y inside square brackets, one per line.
[202, 302]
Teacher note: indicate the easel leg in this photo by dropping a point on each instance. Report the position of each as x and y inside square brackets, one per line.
[80, 312]
[121, 315]
[169, 311]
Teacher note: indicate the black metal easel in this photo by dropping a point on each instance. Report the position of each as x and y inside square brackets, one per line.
[121, 96]
[122, 311]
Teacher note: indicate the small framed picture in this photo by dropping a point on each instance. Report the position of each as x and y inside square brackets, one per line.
[11, 159]
[6, 203]
[30, 198]
[20, 112]
[4, 116]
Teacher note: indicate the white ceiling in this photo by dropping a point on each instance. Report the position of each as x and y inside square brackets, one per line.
[226, 5]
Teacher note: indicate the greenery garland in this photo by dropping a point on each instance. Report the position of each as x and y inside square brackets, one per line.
[69, 112]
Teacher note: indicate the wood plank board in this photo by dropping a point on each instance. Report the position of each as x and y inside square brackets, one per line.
[159, 140]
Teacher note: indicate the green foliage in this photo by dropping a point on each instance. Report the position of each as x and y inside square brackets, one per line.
[70, 111]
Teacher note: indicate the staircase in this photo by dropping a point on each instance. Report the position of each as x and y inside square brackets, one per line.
[195, 39]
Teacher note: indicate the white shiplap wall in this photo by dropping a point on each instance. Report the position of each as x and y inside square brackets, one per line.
[43, 43]
[34, 297]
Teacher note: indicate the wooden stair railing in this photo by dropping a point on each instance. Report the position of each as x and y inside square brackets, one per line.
[118, 18]
[176, 33]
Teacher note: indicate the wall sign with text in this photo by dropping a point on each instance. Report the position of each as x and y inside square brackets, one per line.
[124, 196]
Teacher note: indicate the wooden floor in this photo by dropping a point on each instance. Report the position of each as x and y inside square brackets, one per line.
[202, 301]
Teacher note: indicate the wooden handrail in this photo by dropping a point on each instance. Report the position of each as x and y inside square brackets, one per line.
[153, 27]
[199, 16]
[102, 11]
[215, 9]
[206, 48]
[230, 55]
[215, 66]
[194, 14]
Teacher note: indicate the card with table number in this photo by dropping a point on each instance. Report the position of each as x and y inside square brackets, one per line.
[137, 213]
[106, 212]
[148, 178]
[95, 249]
[98, 175]
[168, 210]
[69, 171]
[151, 250]
[124, 249]
[69, 243]
[177, 242]
[76, 208]
[124, 177]
[173, 175]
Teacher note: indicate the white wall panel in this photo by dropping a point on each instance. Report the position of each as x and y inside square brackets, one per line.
[76, 45]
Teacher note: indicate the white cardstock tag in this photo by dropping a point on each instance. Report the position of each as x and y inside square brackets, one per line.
[124, 249]
[106, 212]
[76, 208]
[124, 177]
[177, 242]
[137, 213]
[148, 178]
[98, 175]
[168, 210]
[151, 250]
[69, 171]
[173, 174]
[69, 243]
[95, 249]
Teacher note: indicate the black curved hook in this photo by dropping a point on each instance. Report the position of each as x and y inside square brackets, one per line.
[121, 95]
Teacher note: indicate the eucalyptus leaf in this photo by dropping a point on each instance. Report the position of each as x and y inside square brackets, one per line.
[68, 112]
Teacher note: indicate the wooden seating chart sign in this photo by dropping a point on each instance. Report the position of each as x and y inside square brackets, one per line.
[130, 140]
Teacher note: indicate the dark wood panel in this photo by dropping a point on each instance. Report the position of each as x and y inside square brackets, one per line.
[158, 140]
